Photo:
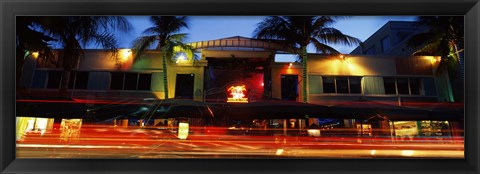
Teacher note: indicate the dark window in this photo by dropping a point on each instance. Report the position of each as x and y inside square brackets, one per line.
[355, 87]
[71, 80]
[39, 79]
[389, 84]
[402, 86]
[385, 43]
[144, 81]
[116, 82]
[54, 78]
[402, 36]
[328, 84]
[342, 84]
[429, 86]
[131, 81]
[81, 80]
[415, 86]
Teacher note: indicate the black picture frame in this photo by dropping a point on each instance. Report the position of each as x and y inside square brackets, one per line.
[10, 8]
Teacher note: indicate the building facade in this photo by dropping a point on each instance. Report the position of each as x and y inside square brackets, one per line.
[225, 63]
[391, 39]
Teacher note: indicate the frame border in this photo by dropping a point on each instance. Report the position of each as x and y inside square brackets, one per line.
[10, 8]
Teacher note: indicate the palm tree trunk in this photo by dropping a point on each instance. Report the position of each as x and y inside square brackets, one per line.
[165, 82]
[304, 74]
[68, 65]
[64, 83]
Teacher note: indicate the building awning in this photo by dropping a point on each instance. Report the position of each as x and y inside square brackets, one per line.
[271, 109]
[274, 109]
[376, 110]
[170, 108]
[154, 109]
[51, 109]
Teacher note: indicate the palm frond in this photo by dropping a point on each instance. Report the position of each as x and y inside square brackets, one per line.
[323, 48]
[141, 44]
[334, 36]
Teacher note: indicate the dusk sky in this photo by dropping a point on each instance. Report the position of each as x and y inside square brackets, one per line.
[203, 28]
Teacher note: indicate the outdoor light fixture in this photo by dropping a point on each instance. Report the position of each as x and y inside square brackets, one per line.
[433, 59]
[35, 54]
[290, 65]
[124, 54]
[343, 58]
[180, 57]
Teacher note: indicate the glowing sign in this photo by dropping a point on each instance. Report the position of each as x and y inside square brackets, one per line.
[237, 93]
[183, 131]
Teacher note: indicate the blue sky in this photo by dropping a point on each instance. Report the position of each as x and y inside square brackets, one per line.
[202, 28]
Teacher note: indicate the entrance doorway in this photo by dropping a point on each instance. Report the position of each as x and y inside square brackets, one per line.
[289, 87]
[184, 86]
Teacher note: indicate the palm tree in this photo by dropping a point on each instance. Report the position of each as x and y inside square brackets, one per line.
[297, 32]
[165, 35]
[74, 33]
[29, 41]
[443, 37]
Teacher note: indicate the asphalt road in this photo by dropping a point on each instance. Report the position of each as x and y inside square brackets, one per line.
[134, 142]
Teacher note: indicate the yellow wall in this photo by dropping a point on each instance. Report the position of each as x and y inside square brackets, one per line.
[174, 69]
[351, 65]
[151, 61]
[279, 69]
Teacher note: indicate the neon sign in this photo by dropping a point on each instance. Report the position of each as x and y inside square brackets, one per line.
[237, 93]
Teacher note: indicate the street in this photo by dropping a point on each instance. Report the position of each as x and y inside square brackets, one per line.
[106, 141]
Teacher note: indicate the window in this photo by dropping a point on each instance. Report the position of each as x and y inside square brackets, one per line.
[410, 86]
[328, 84]
[429, 87]
[402, 36]
[414, 86]
[39, 79]
[130, 81]
[402, 86]
[389, 84]
[78, 80]
[144, 81]
[342, 84]
[385, 44]
[355, 87]
[116, 82]
[54, 79]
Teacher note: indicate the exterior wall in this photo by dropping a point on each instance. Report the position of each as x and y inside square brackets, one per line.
[100, 64]
[279, 69]
[236, 54]
[397, 33]
[198, 71]
[372, 69]
[351, 65]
